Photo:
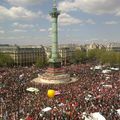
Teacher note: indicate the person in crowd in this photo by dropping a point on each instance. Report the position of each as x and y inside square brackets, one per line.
[92, 92]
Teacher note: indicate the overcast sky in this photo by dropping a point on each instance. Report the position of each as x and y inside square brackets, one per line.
[81, 21]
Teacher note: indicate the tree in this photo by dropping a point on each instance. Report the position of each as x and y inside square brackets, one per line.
[79, 57]
[105, 57]
[97, 55]
[112, 56]
[41, 62]
[6, 60]
[91, 54]
[117, 57]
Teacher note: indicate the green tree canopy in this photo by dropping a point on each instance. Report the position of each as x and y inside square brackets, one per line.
[5, 60]
[41, 62]
[79, 56]
[99, 55]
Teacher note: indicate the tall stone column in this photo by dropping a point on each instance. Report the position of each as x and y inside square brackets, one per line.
[54, 60]
[55, 74]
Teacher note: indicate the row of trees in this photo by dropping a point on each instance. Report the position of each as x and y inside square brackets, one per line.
[94, 55]
[101, 56]
[5, 60]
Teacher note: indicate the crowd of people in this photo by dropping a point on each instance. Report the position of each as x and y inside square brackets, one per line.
[92, 92]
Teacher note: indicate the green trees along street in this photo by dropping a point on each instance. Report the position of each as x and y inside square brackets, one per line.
[102, 56]
[6, 60]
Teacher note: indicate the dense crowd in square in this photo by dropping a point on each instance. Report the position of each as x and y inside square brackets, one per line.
[89, 94]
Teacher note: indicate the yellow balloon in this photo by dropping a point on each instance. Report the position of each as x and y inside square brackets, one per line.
[51, 93]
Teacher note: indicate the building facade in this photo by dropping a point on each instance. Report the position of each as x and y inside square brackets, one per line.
[24, 55]
[113, 47]
[65, 53]
[95, 46]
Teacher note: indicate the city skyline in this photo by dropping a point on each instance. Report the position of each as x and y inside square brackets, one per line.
[81, 21]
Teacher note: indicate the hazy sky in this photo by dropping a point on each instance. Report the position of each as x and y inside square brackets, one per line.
[81, 21]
